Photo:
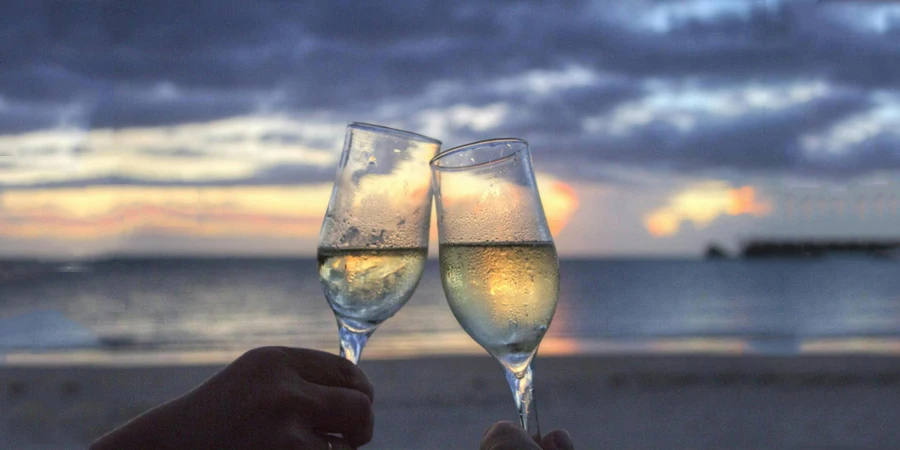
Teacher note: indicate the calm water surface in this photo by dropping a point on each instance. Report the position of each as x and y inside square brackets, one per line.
[177, 305]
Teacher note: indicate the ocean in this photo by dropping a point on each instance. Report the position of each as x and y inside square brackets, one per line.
[192, 306]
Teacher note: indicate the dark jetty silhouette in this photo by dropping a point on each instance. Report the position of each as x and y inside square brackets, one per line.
[811, 248]
[714, 251]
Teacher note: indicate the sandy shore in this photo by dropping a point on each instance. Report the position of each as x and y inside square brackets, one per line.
[607, 402]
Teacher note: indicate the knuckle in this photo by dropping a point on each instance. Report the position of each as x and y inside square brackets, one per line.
[260, 381]
[347, 372]
[259, 357]
[362, 403]
[298, 405]
[312, 403]
[504, 428]
[502, 435]
[289, 399]
[355, 378]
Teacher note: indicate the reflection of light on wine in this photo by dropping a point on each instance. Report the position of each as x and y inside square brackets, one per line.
[499, 284]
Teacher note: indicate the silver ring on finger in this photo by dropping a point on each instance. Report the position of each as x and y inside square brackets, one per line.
[335, 443]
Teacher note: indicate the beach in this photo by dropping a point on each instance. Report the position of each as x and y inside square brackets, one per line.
[605, 401]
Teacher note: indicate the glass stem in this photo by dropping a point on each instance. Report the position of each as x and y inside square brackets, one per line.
[353, 342]
[523, 393]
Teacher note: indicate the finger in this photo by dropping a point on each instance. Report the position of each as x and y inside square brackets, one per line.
[337, 410]
[507, 436]
[328, 370]
[557, 440]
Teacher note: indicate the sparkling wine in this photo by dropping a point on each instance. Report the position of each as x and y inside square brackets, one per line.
[367, 286]
[503, 294]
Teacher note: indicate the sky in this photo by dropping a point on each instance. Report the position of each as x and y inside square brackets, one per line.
[656, 127]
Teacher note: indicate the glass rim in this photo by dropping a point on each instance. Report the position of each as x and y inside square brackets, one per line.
[435, 162]
[393, 131]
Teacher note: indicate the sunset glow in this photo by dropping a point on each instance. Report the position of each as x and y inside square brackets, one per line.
[101, 212]
[243, 212]
[703, 203]
[560, 202]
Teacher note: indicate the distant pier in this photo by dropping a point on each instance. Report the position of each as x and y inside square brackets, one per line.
[795, 248]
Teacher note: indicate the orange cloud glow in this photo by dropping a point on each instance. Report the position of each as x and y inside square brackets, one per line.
[109, 213]
[102, 212]
[703, 203]
[560, 202]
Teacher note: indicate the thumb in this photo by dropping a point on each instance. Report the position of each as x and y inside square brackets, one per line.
[557, 440]
[507, 436]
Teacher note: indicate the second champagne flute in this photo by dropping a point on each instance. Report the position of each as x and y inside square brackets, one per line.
[499, 267]
[374, 239]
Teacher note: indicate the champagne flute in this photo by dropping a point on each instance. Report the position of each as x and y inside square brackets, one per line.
[499, 267]
[374, 239]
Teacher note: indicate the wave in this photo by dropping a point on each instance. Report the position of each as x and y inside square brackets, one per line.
[44, 330]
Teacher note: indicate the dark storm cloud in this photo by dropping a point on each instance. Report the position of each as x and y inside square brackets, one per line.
[277, 174]
[150, 108]
[355, 60]
[765, 141]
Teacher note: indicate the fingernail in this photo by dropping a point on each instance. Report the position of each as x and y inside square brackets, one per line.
[562, 440]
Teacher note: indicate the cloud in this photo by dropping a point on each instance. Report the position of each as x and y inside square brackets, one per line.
[440, 122]
[663, 17]
[684, 108]
[754, 127]
[703, 203]
[238, 150]
[870, 135]
[875, 18]
[693, 85]
[545, 82]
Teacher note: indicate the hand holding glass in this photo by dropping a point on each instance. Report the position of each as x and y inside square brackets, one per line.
[374, 239]
[499, 267]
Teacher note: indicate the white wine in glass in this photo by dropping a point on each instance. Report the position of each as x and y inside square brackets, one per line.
[507, 311]
[374, 239]
[499, 267]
